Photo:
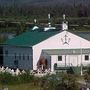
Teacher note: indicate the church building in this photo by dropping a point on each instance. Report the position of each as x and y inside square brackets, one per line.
[48, 49]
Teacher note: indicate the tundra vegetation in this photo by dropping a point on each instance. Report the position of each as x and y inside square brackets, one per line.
[25, 81]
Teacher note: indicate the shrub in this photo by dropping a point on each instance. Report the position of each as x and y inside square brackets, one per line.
[6, 78]
[26, 78]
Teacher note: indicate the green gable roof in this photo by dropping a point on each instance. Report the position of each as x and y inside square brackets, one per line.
[30, 38]
[85, 35]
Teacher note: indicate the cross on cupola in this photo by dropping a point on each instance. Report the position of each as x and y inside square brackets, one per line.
[64, 23]
[35, 21]
[49, 27]
[35, 25]
[49, 18]
[64, 16]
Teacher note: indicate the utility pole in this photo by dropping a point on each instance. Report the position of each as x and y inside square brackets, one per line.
[81, 59]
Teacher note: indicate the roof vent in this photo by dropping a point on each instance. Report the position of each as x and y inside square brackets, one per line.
[49, 28]
[35, 27]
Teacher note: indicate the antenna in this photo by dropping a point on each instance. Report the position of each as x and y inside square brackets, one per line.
[35, 26]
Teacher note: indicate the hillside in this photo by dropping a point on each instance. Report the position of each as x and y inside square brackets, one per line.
[41, 2]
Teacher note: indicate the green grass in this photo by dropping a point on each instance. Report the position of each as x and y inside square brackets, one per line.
[28, 86]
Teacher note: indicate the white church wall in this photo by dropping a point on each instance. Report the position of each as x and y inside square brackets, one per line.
[53, 61]
[71, 60]
[85, 62]
[76, 60]
[57, 42]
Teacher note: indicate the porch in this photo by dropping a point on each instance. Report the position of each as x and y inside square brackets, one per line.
[70, 68]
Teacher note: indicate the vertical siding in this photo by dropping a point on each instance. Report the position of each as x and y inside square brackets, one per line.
[71, 60]
[19, 51]
[53, 61]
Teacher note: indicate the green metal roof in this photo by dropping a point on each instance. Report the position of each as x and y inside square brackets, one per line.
[85, 35]
[30, 38]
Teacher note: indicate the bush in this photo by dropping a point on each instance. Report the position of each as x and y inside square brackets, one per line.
[6, 78]
[26, 78]
[49, 82]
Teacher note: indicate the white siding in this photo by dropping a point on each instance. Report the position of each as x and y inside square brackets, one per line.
[53, 61]
[55, 42]
[85, 62]
[71, 60]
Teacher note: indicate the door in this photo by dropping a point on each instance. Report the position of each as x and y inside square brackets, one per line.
[42, 64]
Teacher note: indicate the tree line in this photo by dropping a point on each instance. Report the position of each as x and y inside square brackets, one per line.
[57, 10]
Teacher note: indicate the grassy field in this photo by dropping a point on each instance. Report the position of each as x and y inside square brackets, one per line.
[29, 86]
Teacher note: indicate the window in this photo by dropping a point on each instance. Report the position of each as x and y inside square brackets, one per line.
[6, 52]
[59, 58]
[86, 57]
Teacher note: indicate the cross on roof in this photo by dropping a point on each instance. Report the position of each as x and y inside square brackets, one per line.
[64, 16]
